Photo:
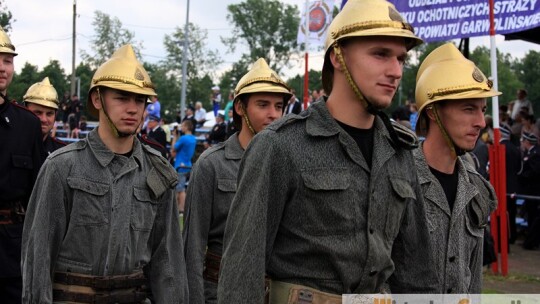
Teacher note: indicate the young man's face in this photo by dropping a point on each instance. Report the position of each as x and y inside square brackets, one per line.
[125, 109]
[262, 109]
[463, 120]
[46, 116]
[376, 65]
[6, 71]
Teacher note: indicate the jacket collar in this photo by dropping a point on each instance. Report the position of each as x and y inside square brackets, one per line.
[104, 155]
[321, 123]
[466, 190]
[233, 149]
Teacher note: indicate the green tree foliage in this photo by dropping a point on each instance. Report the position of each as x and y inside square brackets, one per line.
[200, 90]
[109, 36]
[231, 78]
[167, 88]
[228, 84]
[201, 60]
[508, 82]
[528, 71]
[85, 73]
[268, 27]
[297, 83]
[6, 18]
[57, 77]
[30, 75]
[22, 81]
[201, 67]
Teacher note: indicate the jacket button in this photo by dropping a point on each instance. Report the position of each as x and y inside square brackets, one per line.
[371, 230]
[452, 259]
[449, 290]
[373, 272]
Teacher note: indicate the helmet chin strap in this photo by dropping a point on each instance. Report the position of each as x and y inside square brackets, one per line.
[4, 97]
[246, 119]
[117, 133]
[367, 105]
[370, 108]
[455, 151]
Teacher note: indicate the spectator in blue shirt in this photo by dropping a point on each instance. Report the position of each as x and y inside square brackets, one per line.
[183, 149]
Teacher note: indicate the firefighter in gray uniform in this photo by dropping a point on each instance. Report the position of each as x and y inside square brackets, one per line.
[260, 97]
[451, 95]
[328, 201]
[42, 99]
[102, 223]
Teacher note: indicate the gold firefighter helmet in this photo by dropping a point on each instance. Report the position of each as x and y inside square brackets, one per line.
[122, 72]
[260, 79]
[5, 43]
[361, 18]
[42, 93]
[445, 74]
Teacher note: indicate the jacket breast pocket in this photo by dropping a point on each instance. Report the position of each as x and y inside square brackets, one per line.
[21, 169]
[22, 161]
[402, 195]
[329, 205]
[90, 202]
[225, 194]
[226, 185]
[143, 210]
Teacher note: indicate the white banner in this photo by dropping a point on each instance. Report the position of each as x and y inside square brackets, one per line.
[320, 17]
[441, 298]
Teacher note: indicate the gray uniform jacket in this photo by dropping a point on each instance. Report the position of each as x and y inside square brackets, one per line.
[211, 190]
[456, 236]
[97, 213]
[309, 211]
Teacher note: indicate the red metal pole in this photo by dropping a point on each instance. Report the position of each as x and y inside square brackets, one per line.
[500, 176]
[495, 215]
[491, 18]
[502, 205]
[306, 82]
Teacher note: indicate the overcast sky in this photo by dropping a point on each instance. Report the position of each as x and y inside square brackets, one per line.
[43, 29]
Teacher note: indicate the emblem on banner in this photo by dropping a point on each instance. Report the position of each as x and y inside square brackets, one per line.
[320, 17]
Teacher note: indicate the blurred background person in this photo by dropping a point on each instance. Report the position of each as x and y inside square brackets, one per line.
[529, 181]
[183, 149]
[42, 99]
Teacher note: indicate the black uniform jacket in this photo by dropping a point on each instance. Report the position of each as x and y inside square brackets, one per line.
[21, 155]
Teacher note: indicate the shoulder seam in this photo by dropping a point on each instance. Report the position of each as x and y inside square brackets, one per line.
[68, 148]
[211, 151]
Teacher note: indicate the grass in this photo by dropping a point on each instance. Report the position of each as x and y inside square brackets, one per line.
[512, 277]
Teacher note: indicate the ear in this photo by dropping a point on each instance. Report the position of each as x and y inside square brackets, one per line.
[334, 59]
[239, 108]
[94, 97]
[430, 114]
